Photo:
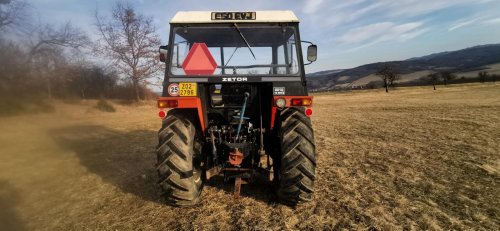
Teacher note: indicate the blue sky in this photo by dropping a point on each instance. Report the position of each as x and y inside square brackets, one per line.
[348, 33]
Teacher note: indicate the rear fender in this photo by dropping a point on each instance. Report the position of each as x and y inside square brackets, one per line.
[165, 103]
[288, 98]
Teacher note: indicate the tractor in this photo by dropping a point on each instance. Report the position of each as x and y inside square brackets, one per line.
[235, 105]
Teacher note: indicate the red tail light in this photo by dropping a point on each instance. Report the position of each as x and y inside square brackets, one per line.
[162, 114]
[167, 103]
[309, 112]
[301, 102]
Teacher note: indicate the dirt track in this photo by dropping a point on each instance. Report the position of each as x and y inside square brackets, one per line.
[412, 159]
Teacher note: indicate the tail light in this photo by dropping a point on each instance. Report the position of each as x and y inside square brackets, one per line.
[309, 112]
[162, 114]
[301, 102]
[167, 103]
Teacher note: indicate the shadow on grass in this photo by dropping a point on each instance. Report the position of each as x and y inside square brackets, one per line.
[9, 219]
[124, 159]
[127, 160]
[259, 189]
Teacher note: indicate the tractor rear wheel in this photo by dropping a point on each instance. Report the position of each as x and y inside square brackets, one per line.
[179, 159]
[297, 164]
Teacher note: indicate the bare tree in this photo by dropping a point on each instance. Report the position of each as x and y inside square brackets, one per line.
[482, 76]
[447, 77]
[13, 72]
[46, 47]
[12, 13]
[46, 37]
[388, 76]
[433, 78]
[130, 40]
[91, 80]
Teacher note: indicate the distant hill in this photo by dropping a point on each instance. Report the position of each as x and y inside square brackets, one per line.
[466, 61]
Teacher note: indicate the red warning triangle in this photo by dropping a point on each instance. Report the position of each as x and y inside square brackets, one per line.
[199, 61]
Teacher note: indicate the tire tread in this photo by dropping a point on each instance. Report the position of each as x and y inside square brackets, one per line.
[298, 159]
[175, 154]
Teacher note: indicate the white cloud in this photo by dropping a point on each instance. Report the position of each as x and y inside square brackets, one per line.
[409, 8]
[312, 6]
[370, 35]
[363, 33]
[462, 24]
[403, 32]
[492, 21]
[334, 13]
[381, 32]
[413, 34]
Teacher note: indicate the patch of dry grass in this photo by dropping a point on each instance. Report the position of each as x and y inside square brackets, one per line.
[411, 159]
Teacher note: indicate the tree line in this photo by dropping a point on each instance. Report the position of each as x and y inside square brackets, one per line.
[61, 61]
[390, 76]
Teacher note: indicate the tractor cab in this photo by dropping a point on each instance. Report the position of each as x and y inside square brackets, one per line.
[236, 44]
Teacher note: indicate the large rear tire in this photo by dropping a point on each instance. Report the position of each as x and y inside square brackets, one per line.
[179, 159]
[297, 163]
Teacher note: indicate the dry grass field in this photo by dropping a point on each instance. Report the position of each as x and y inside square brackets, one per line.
[413, 159]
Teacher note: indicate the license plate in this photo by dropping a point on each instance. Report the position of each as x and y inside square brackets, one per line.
[233, 15]
[187, 89]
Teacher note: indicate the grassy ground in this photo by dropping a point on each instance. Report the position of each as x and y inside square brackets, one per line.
[411, 159]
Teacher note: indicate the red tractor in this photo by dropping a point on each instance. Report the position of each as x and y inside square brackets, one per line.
[235, 104]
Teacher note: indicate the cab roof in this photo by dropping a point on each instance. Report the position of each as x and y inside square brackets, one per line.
[214, 17]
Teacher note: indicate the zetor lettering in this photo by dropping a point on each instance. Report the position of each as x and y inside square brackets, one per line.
[235, 79]
[241, 110]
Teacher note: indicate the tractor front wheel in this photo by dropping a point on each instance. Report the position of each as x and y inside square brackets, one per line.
[179, 159]
[297, 164]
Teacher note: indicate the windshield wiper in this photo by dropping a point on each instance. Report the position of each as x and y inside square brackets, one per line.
[245, 40]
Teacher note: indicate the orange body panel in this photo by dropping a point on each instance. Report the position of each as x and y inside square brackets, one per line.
[195, 102]
[288, 104]
[188, 102]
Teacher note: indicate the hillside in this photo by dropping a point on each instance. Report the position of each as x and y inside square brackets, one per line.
[466, 62]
